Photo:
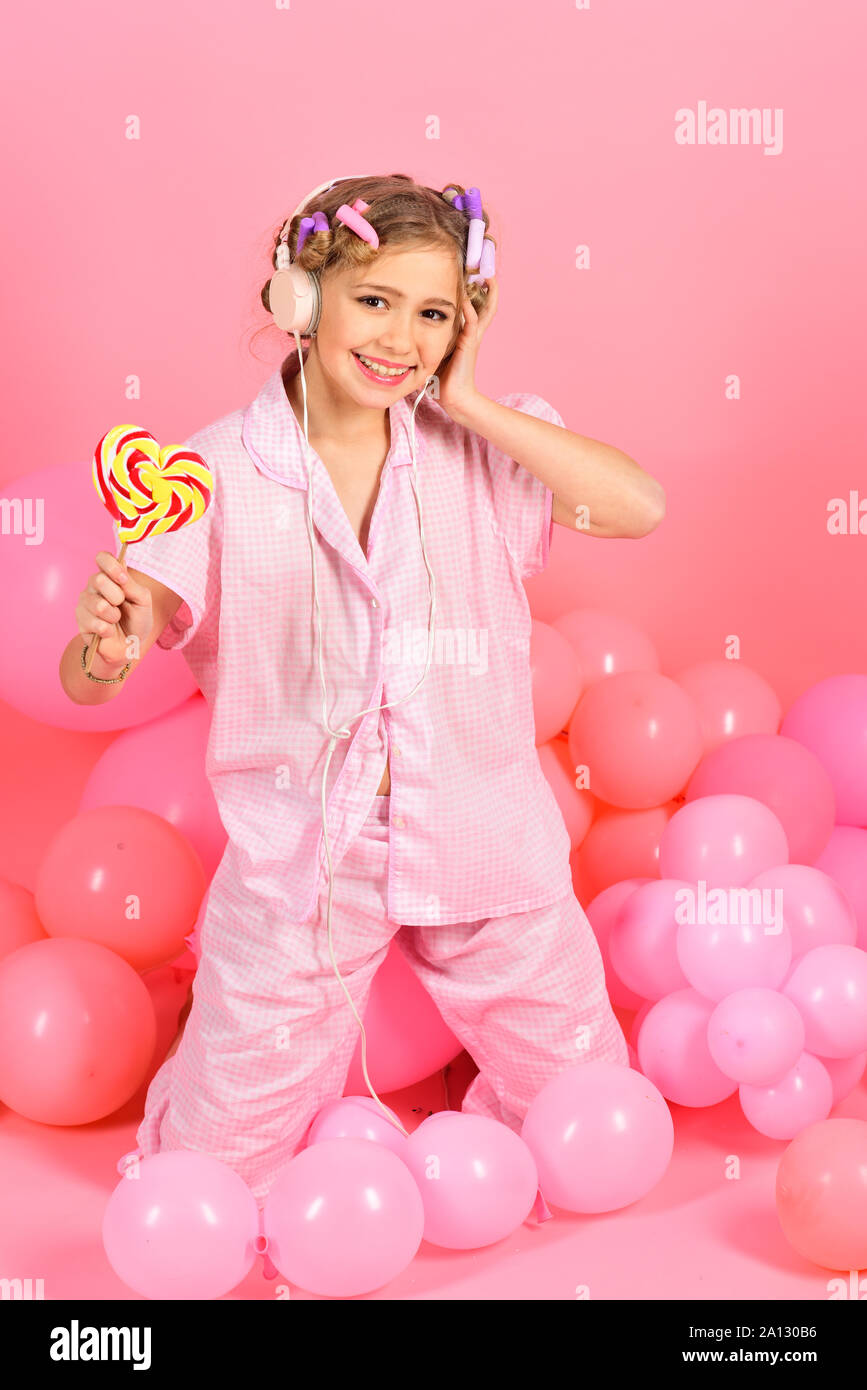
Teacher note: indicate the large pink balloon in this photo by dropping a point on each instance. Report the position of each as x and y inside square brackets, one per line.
[343, 1218]
[601, 1135]
[606, 644]
[755, 1036]
[19, 923]
[621, 844]
[557, 683]
[477, 1179]
[673, 1051]
[782, 774]
[602, 912]
[77, 1031]
[732, 699]
[357, 1117]
[829, 987]
[718, 958]
[724, 840]
[180, 1225]
[638, 733]
[815, 908]
[124, 877]
[575, 803]
[830, 719]
[821, 1194]
[844, 858]
[801, 1097]
[845, 1073]
[48, 577]
[160, 766]
[643, 940]
[407, 1039]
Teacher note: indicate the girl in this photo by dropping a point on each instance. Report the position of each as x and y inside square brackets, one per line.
[359, 575]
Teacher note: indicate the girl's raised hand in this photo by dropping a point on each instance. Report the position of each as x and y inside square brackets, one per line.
[457, 381]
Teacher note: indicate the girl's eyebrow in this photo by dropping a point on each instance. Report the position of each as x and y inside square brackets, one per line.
[398, 294]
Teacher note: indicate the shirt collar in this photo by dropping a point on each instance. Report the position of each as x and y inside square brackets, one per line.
[274, 438]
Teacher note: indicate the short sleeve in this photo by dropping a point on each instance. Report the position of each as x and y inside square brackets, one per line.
[523, 504]
[188, 562]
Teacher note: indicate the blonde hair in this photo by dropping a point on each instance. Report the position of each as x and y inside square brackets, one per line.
[403, 213]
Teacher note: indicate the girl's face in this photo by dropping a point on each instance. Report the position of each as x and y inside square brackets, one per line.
[401, 311]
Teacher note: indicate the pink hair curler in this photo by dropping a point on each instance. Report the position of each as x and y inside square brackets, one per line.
[351, 217]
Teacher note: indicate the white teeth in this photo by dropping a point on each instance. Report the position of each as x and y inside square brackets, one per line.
[381, 371]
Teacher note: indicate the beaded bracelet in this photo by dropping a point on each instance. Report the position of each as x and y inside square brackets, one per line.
[102, 680]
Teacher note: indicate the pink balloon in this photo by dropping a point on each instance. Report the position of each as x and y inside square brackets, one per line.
[639, 1018]
[19, 924]
[357, 1117]
[732, 699]
[718, 958]
[601, 1135]
[606, 644]
[160, 766]
[830, 718]
[802, 1097]
[343, 1218]
[673, 1050]
[829, 987]
[477, 1179]
[815, 908]
[643, 941]
[621, 844]
[601, 913]
[77, 1031]
[784, 776]
[557, 683]
[821, 1193]
[407, 1038]
[755, 1036]
[125, 878]
[181, 1224]
[575, 803]
[844, 859]
[638, 733]
[845, 1073]
[723, 840]
[48, 576]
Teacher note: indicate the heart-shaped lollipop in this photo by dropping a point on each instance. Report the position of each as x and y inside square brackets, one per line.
[147, 490]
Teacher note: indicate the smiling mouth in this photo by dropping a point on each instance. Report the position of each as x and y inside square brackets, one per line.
[377, 373]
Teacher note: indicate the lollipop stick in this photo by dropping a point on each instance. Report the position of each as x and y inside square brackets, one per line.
[94, 641]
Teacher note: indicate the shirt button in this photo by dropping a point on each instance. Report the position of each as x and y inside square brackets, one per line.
[395, 751]
[373, 603]
[398, 820]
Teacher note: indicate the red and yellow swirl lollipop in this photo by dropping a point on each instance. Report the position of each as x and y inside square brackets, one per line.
[147, 490]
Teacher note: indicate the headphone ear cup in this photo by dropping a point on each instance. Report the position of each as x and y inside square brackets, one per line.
[295, 300]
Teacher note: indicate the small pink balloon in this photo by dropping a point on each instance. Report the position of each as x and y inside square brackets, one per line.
[606, 644]
[602, 912]
[357, 1117]
[622, 844]
[673, 1051]
[19, 923]
[845, 1073]
[643, 940]
[732, 699]
[844, 859]
[181, 1225]
[829, 987]
[815, 908]
[343, 1218]
[718, 958]
[724, 840]
[576, 804]
[821, 1193]
[160, 766]
[830, 718]
[77, 1031]
[802, 1097]
[477, 1179]
[638, 734]
[755, 1036]
[601, 1135]
[784, 776]
[557, 684]
[122, 877]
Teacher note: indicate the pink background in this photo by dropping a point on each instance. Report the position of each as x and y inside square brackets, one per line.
[146, 257]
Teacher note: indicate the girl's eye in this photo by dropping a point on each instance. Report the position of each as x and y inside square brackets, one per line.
[377, 299]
